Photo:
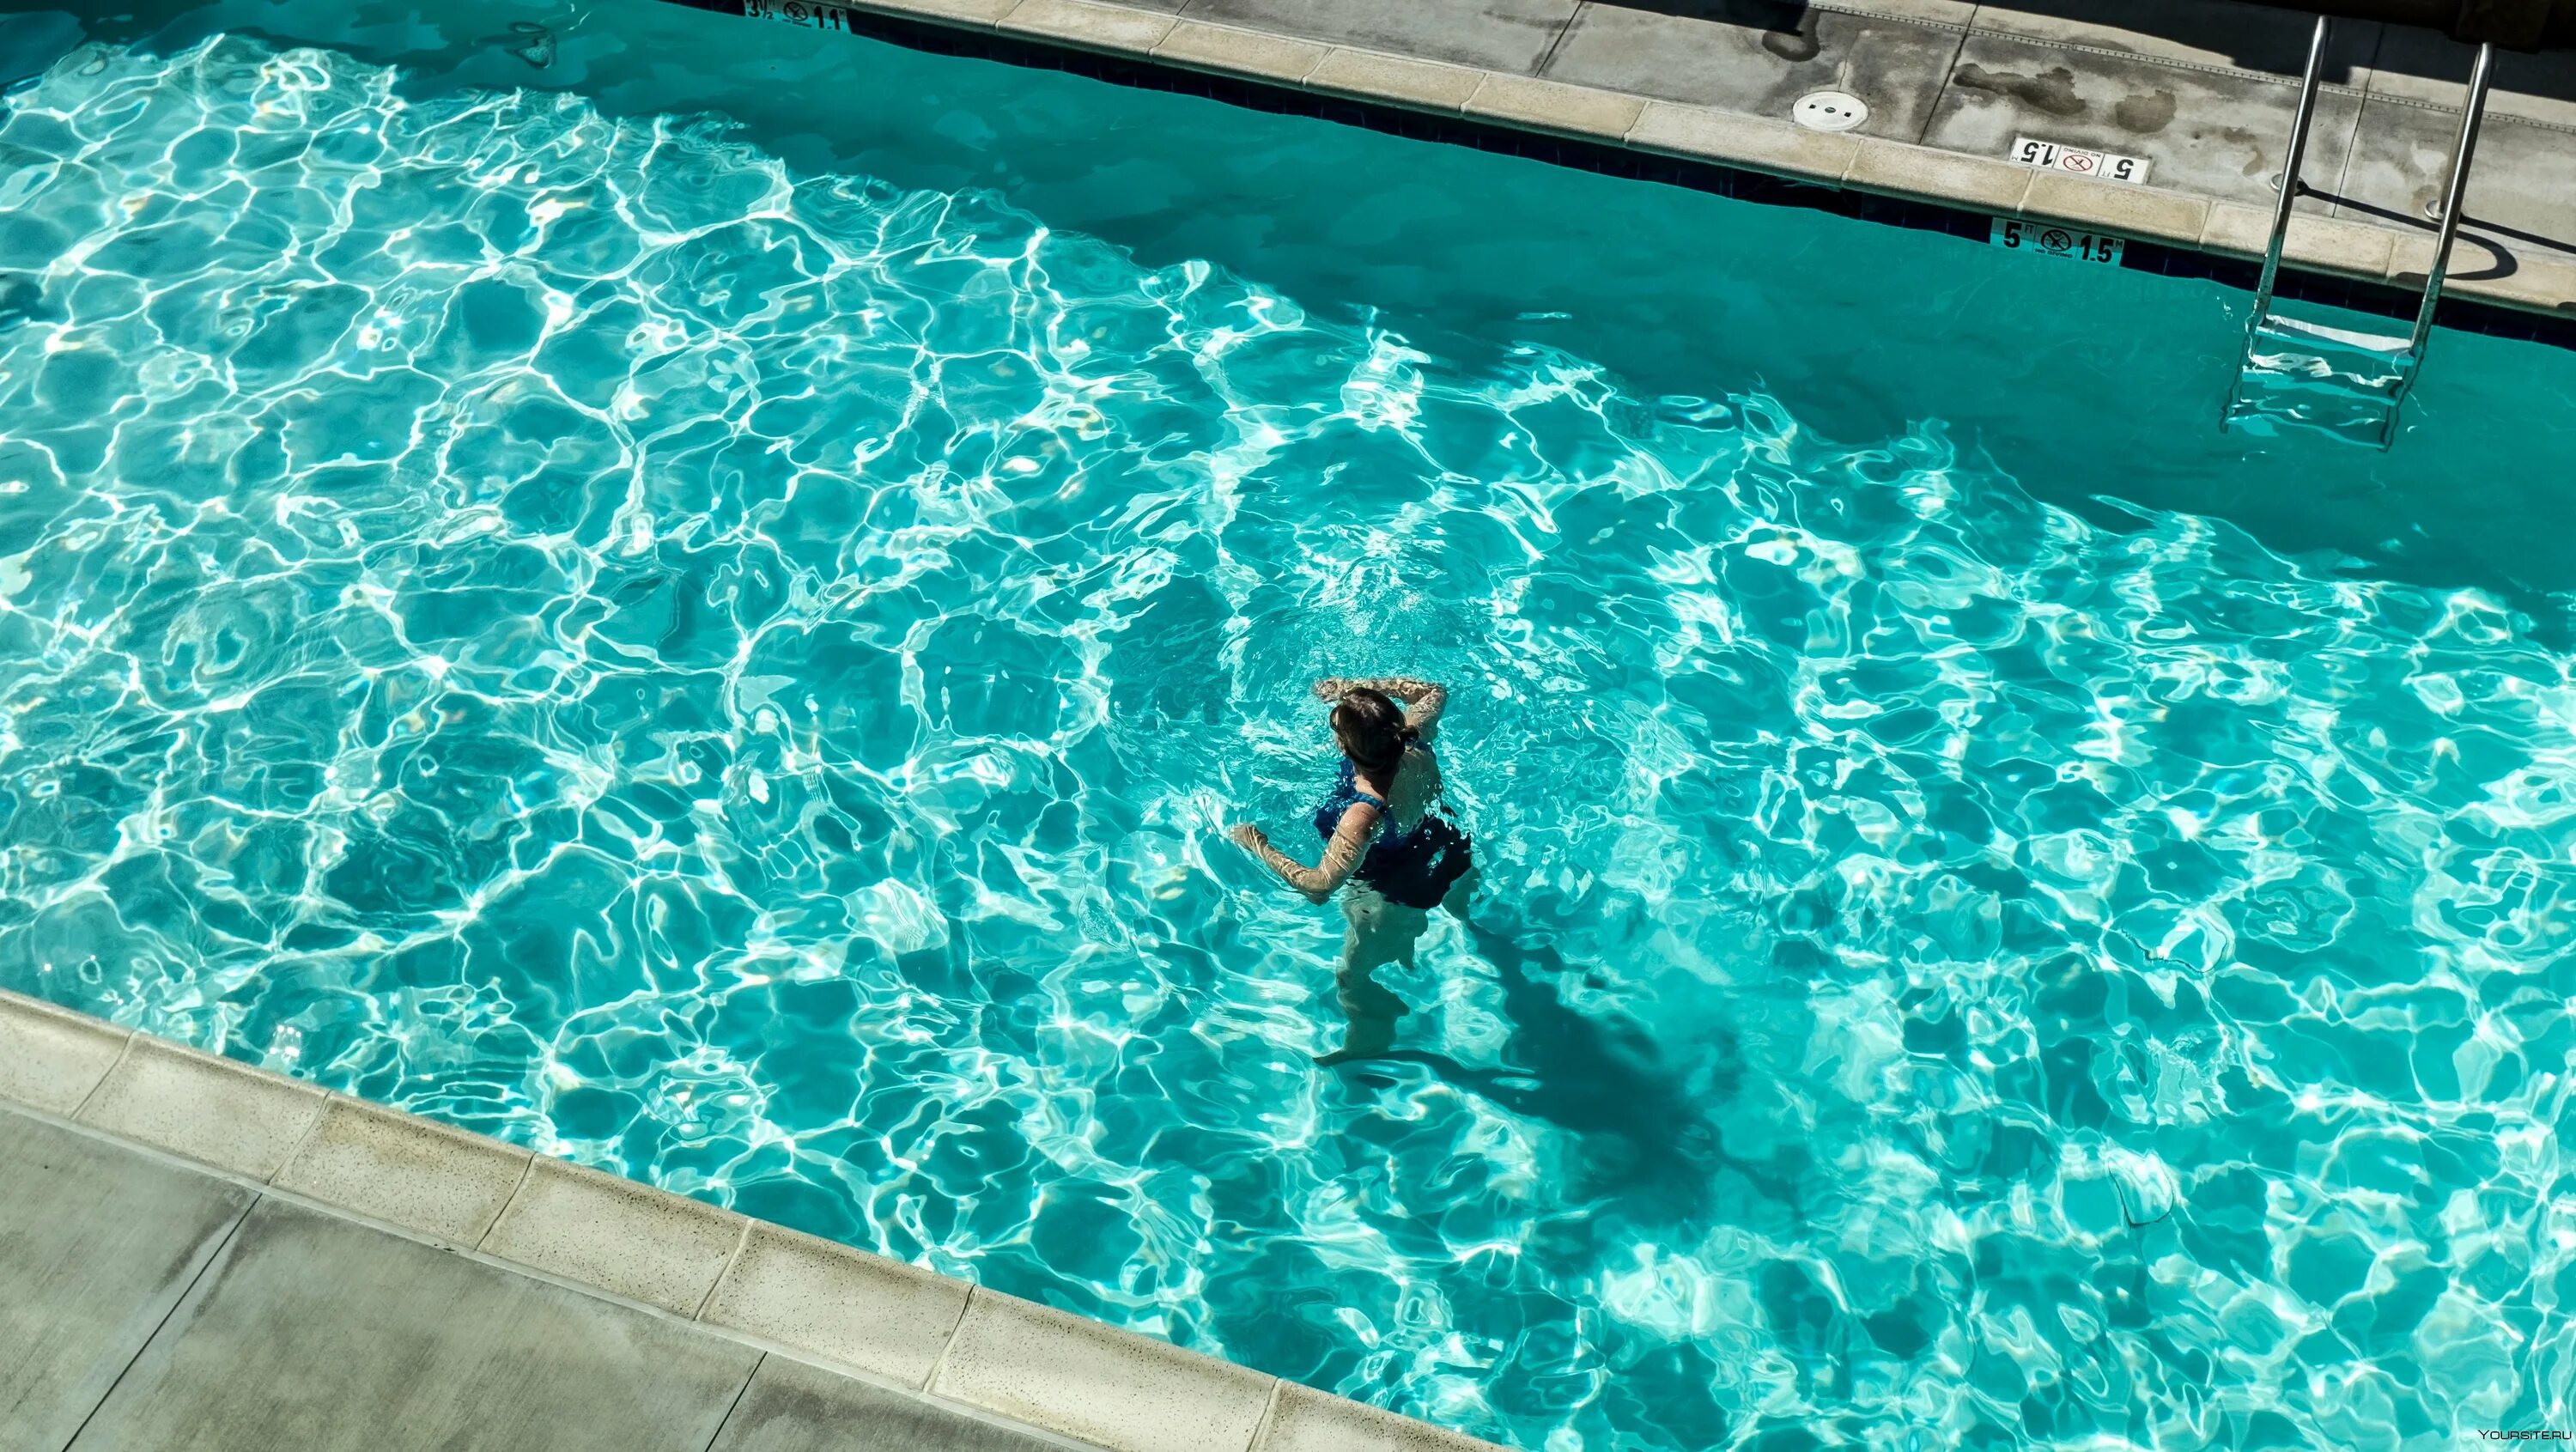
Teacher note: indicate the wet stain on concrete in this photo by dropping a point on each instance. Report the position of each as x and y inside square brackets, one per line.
[2052, 91]
[2257, 161]
[2144, 114]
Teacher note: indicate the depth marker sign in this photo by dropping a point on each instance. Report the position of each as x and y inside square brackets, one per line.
[2108, 165]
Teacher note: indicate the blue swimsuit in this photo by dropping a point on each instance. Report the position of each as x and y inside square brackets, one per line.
[1414, 867]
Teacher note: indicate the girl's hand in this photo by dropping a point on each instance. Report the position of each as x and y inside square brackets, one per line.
[1331, 688]
[1248, 837]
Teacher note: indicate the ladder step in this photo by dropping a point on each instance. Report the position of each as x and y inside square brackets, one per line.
[2269, 407]
[2285, 326]
[2389, 376]
[2338, 378]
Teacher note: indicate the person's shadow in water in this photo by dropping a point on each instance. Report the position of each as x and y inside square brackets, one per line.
[1646, 1135]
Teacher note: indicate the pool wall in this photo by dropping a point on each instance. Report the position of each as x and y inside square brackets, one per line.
[2341, 261]
[950, 1343]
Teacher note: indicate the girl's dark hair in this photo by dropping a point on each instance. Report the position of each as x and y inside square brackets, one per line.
[1371, 728]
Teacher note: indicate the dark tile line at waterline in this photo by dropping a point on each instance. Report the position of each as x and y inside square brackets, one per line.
[2382, 299]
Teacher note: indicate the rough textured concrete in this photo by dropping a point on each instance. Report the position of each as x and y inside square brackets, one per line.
[1724, 136]
[1098, 1383]
[792, 1407]
[626, 1238]
[229, 1115]
[2129, 211]
[313, 1332]
[166, 1287]
[1240, 52]
[2402, 164]
[861, 1310]
[1556, 106]
[1128, 27]
[52, 1058]
[1308, 1421]
[1502, 35]
[2203, 90]
[151, 1306]
[96, 1246]
[1728, 56]
[1915, 170]
[406, 1171]
[2218, 135]
[1424, 85]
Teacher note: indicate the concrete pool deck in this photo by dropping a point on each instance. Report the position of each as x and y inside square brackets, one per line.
[2201, 90]
[197, 1253]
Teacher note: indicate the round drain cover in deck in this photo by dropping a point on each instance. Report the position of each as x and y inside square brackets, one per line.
[1829, 111]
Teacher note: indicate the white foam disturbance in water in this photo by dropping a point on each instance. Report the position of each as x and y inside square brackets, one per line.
[560, 623]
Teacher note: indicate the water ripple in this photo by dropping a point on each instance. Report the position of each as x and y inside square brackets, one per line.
[561, 623]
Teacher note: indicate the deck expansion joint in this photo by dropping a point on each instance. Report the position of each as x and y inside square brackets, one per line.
[697, 1278]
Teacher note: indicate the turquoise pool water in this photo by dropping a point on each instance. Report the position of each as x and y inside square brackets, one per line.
[722, 649]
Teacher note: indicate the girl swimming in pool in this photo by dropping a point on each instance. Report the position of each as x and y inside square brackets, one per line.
[1388, 833]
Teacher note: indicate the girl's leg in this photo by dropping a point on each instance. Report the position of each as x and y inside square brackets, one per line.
[1462, 893]
[1380, 933]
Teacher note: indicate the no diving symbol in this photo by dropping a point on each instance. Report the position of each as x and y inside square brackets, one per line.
[2077, 161]
[2056, 241]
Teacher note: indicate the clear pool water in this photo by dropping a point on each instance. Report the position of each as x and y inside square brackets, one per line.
[722, 648]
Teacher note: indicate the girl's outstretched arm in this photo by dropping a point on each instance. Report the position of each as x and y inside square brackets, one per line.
[1423, 700]
[1341, 855]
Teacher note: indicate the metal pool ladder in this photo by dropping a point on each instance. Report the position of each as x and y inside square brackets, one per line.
[2349, 383]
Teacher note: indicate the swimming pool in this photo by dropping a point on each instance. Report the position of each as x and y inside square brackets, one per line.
[723, 652]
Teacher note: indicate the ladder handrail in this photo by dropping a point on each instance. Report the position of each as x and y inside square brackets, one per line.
[2308, 82]
[2290, 166]
[2452, 196]
[2410, 362]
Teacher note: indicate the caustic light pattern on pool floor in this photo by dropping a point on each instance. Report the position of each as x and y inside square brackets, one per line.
[735, 677]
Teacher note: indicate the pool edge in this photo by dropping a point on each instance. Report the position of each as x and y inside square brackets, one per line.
[2338, 261]
[734, 1276]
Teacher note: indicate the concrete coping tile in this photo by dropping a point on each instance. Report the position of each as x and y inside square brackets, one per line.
[2410, 261]
[1226, 49]
[844, 1305]
[1306, 1420]
[971, 14]
[2326, 244]
[1093, 26]
[1102, 1385]
[627, 1239]
[51, 1058]
[1556, 106]
[2544, 285]
[1045, 1368]
[2242, 231]
[2538, 281]
[1939, 176]
[1397, 80]
[1702, 133]
[2131, 211]
[204, 1107]
[406, 1171]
